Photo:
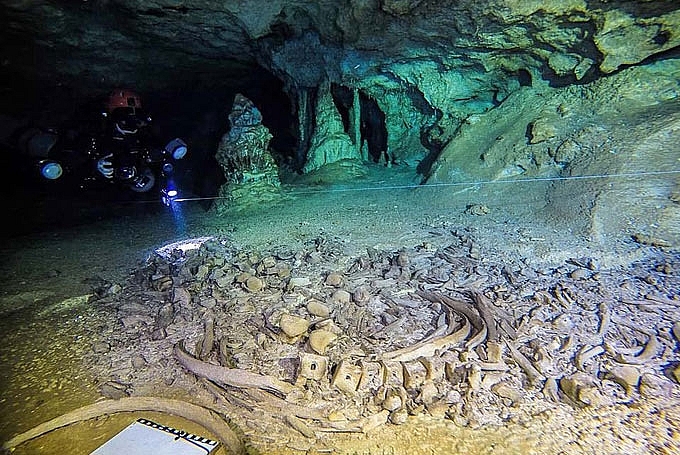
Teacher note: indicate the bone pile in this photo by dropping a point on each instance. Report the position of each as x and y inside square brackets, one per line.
[291, 345]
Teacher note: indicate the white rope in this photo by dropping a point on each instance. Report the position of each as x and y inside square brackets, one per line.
[624, 175]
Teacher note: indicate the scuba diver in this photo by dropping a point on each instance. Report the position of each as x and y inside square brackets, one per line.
[122, 150]
[126, 137]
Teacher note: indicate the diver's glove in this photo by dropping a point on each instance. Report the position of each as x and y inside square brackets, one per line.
[105, 166]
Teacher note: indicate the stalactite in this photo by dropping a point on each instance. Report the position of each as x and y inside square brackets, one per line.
[303, 122]
[355, 121]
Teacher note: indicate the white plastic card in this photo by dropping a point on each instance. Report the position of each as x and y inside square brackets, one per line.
[144, 437]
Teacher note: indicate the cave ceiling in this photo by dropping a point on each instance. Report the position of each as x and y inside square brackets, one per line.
[98, 44]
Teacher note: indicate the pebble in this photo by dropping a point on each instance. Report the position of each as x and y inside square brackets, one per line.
[428, 393]
[202, 272]
[224, 281]
[477, 209]
[293, 326]
[504, 390]
[268, 262]
[341, 296]
[138, 362]
[398, 417]
[580, 388]
[181, 296]
[392, 402]
[114, 289]
[113, 390]
[166, 314]
[159, 334]
[299, 282]
[243, 277]
[579, 274]
[676, 331]
[626, 376]
[208, 302]
[101, 347]
[254, 284]
[163, 284]
[655, 386]
[334, 279]
[361, 295]
[318, 309]
[320, 339]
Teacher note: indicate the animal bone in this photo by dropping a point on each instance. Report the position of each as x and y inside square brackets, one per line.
[483, 305]
[586, 353]
[650, 351]
[346, 377]
[189, 411]
[429, 347]
[313, 366]
[525, 364]
[230, 376]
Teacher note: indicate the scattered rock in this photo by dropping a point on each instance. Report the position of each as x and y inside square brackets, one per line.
[361, 295]
[481, 382]
[477, 209]
[293, 326]
[334, 279]
[626, 376]
[101, 347]
[318, 309]
[319, 340]
[341, 296]
[254, 284]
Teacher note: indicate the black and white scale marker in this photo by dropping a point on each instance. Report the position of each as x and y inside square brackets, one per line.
[144, 437]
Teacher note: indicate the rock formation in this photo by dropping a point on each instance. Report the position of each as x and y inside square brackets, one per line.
[329, 143]
[244, 155]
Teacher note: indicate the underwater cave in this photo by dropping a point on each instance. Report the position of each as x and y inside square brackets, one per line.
[340, 227]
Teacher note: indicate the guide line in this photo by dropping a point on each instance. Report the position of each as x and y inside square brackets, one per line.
[622, 175]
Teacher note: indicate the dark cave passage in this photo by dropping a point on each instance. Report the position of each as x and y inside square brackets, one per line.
[373, 129]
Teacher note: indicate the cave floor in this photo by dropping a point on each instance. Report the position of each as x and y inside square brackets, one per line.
[49, 327]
